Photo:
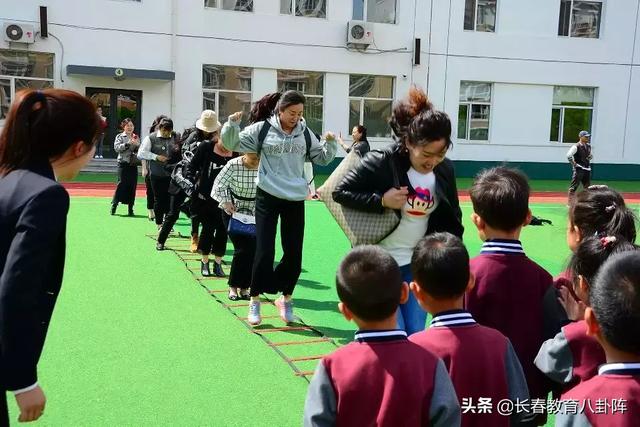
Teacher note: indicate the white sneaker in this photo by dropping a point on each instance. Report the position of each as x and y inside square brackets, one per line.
[286, 309]
[254, 317]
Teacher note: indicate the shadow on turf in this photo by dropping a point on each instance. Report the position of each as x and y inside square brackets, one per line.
[312, 284]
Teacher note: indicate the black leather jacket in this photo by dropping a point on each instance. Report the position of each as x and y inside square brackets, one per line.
[363, 187]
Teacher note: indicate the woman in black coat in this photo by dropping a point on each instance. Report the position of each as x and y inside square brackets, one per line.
[48, 135]
[426, 199]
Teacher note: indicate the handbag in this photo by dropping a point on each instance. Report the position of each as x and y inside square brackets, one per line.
[242, 224]
[361, 228]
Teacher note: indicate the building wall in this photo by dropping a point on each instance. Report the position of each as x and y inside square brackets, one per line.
[524, 59]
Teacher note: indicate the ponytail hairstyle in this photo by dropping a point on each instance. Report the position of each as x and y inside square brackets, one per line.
[592, 253]
[602, 210]
[42, 125]
[362, 131]
[415, 122]
[264, 107]
[289, 98]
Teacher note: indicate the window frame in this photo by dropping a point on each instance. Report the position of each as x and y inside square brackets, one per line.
[292, 11]
[475, 19]
[12, 79]
[563, 108]
[362, 100]
[365, 10]
[216, 91]
[600, 23]
[469, 105]
[219, 7]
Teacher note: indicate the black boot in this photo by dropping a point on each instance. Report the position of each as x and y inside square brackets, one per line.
[130, 210]
[113, 208]
[204, 269]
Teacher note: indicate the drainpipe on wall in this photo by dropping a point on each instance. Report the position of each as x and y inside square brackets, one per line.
[174, 23]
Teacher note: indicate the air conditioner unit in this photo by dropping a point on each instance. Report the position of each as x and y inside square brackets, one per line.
[18, 33]
[359, 33]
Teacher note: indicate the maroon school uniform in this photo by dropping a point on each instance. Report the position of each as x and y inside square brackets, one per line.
[481, 363]
[571, 357]
[381, 379]
[610, 399]
[509, 296]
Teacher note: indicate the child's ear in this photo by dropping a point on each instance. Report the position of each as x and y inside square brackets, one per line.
[404, 293]
[527, 220]
[593, 327]
[477, 221]
[583, 285]
[578, 233]
[417, 292]
[345, 311]
[471, 284]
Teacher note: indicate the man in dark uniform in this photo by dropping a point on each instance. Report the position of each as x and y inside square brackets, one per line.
[580, 156]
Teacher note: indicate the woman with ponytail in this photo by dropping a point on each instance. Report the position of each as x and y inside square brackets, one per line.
[48, 136]
[283, 142]
[426, 200]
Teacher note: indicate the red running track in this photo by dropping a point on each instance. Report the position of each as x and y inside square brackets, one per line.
[106, 189]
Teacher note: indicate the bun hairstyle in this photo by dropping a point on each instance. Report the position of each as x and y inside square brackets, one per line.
[264, 107]
[415, 122]
[42, 125]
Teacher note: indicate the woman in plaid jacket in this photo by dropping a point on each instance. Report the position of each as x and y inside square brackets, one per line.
[235, 189]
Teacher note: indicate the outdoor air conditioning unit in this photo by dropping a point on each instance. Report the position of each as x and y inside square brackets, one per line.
[18, 33]
[359, 33]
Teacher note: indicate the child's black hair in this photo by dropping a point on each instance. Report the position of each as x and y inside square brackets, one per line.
[615, 301]
[500, 196]
[602, 210]
[440, 265]
[369, 283]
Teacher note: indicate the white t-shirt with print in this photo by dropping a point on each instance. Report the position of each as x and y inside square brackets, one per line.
[415, 217]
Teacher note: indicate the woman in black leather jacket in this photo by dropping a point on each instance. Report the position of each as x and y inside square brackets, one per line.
[427, 198]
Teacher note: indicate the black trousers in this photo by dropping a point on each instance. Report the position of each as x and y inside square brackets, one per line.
[213, 238]
[285, 276]
[195, 226]
[160, 186]
[4, 410]
[150, 198]
[127, 183]
[244, 251]
[580, 176]
[175, 202]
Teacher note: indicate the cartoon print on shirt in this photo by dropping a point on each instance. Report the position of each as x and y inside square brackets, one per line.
[420, 202]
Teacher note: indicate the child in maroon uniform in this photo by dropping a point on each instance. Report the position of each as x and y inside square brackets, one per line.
[382, 378]
[596, 210]
[512, 291]
[614, 320]
[480, 360]
[572, 356]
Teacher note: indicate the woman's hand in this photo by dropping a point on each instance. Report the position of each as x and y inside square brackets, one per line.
[395, 198]
[229, 208]
[341, 141]
[329, 136]
[236, 117]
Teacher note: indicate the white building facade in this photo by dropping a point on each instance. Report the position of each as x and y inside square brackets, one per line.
[518, 79]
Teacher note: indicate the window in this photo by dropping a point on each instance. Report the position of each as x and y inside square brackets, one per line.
[238, 5]
[381, 11]
[580, 18]
[306, 8]
[370, 99]
[473, 112]
[226, 90]
[311, 84]
[21, 70]
[480, 15]
[572, 112]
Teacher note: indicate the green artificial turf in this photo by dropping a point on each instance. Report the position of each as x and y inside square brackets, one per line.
[135, 340]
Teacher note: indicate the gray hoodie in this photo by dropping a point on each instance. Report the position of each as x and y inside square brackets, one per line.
[282, 157]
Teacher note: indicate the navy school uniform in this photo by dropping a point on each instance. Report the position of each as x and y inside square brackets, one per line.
[481, 363]
[381, 379]
[33, 216]
[571, 357]
[516, 296]
[599, 400]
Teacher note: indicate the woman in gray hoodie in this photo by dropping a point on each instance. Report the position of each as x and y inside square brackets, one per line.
[283, 142]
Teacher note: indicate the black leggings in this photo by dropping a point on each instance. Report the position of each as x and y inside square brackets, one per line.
[285, 276]
[213, 238]
[160, 187]
[244, 251]
[175, 202]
